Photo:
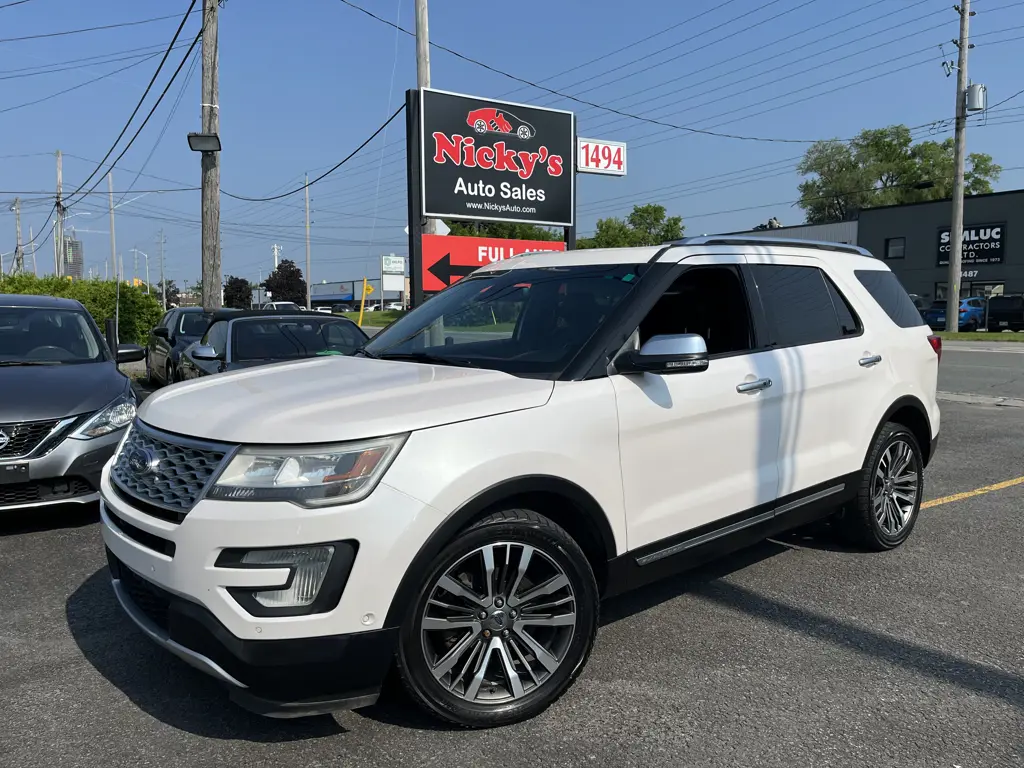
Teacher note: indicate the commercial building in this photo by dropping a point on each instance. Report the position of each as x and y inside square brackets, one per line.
[914, 241]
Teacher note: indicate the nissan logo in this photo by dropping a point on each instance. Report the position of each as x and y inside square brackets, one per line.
[4, 439]
[141, 461]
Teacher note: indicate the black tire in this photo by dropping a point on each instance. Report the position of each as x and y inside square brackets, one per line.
[169, 373]
[860, 522]
[524, 529]
[149, 372]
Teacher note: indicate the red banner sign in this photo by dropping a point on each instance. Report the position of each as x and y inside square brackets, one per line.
[446, 259]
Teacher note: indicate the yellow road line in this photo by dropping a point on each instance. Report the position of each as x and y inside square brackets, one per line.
[975, 492]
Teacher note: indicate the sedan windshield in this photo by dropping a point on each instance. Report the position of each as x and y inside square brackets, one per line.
[288, 338]
[193, 323]
[529, 322]
[48, 336]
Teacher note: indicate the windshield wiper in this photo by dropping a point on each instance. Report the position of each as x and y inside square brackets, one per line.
[426, 357]
[29, 362]
[364, 352]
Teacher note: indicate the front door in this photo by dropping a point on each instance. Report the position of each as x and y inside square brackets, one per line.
[699, 447]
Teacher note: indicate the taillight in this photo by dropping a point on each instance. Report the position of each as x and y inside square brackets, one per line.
[936, 343]
[963, 311]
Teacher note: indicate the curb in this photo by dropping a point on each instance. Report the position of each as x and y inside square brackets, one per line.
[971, 399]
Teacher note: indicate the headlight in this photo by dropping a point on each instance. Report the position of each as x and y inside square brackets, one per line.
[113, 417]
[310, 476]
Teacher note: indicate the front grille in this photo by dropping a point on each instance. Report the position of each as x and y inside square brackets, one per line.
[61, 489]
[165, 470]
[153, 601]
[24, 437]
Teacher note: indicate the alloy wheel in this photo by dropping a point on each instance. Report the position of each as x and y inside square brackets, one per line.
[498, 623]
[894, 487]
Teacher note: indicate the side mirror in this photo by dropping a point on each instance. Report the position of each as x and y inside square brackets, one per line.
[162, 332]
[130, 353]
[670, 353]
[204, 352]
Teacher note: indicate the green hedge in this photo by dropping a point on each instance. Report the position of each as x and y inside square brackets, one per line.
[139, 312]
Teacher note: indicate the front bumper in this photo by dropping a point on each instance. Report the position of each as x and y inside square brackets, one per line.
[70, 473]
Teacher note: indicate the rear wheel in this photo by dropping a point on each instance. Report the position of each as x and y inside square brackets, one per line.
[169, 373]
[149, 370]
[889, 497]
[504, 623]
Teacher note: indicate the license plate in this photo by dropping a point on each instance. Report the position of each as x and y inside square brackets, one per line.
[941, 319]
[13, 473]
[1004, 322]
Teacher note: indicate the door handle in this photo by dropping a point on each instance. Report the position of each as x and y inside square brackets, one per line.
[866, 362]
[754, 386]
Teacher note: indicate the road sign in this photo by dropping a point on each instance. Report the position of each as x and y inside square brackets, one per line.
[392, 265]
[482, 159]
[367, 289]
[448, 259]
[600, 156]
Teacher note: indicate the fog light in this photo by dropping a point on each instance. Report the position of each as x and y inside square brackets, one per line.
[308, 568]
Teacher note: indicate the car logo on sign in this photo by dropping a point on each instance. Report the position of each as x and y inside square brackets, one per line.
[141, 461]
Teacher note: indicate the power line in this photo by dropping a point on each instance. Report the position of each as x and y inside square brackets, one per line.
[138, 106]
[14, 3]
[578, 100]
[1008, 98]
[88, 29]
[352, 154]
[24, 71]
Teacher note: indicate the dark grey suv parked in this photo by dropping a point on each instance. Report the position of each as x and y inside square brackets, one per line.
[64, 403]
[176, 330]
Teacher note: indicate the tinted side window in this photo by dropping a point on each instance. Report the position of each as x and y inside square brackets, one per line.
[217, 337]
[891, 297]
[165, 321]
[849, 323]
[797, 304]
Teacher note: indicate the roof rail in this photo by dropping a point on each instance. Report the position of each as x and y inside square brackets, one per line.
[817, 245]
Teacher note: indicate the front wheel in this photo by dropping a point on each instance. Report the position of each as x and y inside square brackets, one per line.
[169, 373]
[889, 497]
[504, 623]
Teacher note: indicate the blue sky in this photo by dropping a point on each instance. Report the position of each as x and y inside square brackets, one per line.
[306, 81]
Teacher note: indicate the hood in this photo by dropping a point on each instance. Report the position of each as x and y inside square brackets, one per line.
[333, 399]
[55, 391]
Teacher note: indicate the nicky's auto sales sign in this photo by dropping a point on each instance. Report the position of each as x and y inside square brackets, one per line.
[496, 161]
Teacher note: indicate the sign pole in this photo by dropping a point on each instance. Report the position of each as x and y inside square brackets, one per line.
[412, 174]
[570, 237]
[362, 303]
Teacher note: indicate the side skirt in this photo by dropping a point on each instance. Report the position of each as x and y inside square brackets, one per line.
[698, 546]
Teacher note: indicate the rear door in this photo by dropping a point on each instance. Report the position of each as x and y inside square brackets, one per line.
[833, 372]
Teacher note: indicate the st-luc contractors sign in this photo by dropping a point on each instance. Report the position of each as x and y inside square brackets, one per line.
[493, 160]
[982, 244]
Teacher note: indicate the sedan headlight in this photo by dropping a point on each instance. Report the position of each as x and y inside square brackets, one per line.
[310, 476]
[117, 415]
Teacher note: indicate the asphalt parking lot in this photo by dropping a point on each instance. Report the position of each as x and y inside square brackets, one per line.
[796, 652]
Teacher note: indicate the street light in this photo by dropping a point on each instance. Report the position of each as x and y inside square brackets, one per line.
[204, 142]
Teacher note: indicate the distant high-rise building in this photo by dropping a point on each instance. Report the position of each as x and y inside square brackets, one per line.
[74, 258]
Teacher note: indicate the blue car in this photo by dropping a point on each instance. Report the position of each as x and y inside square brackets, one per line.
[972, 314]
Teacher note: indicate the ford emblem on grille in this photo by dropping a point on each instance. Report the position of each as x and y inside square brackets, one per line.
[142, 461]
[4, 439]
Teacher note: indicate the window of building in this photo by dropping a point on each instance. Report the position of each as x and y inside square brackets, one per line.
[708, 301]
[886, 289]
[798, 305]
[982, 290]
[895, 247]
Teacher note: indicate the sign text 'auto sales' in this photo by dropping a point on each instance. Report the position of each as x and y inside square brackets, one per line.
[492, 160]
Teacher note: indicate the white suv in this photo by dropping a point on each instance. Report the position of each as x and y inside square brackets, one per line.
[456, 499]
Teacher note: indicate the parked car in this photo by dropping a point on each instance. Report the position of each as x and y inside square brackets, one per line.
[394, 306]
[290, 306]
[457, 503]
[236, 340]
[64, 406]
[1006, 313]
[176, 330]
[972, 314]
[322, 310]
[338, 309]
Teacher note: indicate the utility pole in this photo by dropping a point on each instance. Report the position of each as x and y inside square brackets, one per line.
[113, 239]
[31, 239]
[956, 231]
[309, 288]
[423, 73]
[58, 227]
[163, 283]
[19, 257]
[277, 253]
[211, 161]
[135, 264]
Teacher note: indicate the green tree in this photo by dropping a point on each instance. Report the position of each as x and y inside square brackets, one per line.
[238, 293]
[645, 225]
[883, 167]
[503, 229]
[173, 294]
[286, 283]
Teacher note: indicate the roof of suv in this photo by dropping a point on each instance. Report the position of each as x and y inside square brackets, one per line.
[32, 300]
[679, 249]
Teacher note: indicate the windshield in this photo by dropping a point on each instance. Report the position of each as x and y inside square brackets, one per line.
[939, 304]
[30, 335]
[529, 322]
[193, 323]
[289, 338]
